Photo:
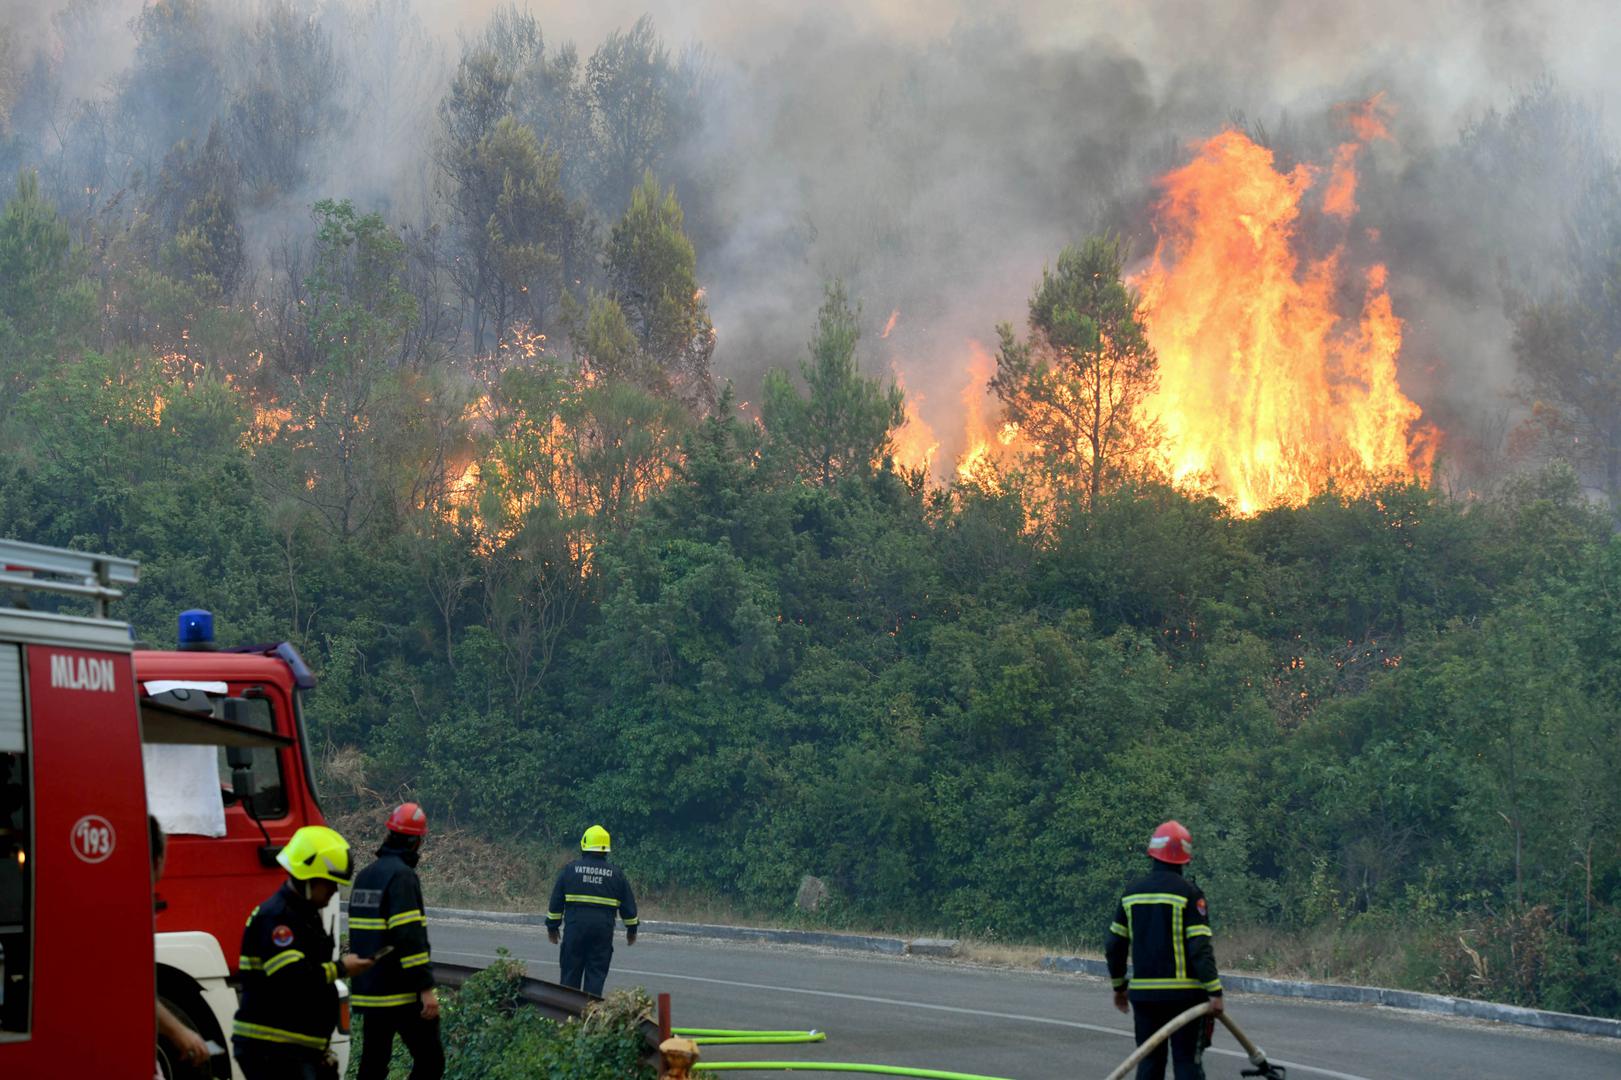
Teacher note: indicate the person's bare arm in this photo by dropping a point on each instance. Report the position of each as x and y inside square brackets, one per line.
[191, 1046]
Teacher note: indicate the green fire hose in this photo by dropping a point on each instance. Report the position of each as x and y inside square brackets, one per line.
[1262, 1068]
[840, 1066]
[725, 1036]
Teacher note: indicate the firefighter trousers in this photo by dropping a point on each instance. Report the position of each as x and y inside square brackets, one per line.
[588, 948]
[421, 1038]
[260, 1060]
[1186, 1045]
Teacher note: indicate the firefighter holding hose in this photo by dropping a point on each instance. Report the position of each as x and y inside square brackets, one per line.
[1162, 925]
[589, 895]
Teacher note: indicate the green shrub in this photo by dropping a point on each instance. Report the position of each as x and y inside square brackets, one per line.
[489, 1034]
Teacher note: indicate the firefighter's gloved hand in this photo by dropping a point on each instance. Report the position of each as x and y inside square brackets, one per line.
[552, 935]
[1216, 1006]
[353, 965]
[1121, 1001]
[630, 936]
[430, 1004]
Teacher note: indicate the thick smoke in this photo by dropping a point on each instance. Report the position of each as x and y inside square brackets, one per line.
[936, 154]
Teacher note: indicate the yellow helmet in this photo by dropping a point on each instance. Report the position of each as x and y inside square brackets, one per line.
[316, 851]
[595, 839]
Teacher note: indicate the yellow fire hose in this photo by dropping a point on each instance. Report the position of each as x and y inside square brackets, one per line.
[1262, 1068]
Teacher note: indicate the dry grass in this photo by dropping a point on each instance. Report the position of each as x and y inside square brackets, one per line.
[1375, 955]
[1002, 955]
[459, 869]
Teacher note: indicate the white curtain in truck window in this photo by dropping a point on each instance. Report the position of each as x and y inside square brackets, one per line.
[183, 789]
[11, 701]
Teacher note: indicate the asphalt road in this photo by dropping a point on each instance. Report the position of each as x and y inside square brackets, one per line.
[1024, 1025]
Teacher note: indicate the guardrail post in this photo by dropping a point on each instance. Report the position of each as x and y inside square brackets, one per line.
[679, 1055]
[664, 1017]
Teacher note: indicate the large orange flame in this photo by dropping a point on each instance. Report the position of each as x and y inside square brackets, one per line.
[1266, 394]
[914, 442]
[979, 439]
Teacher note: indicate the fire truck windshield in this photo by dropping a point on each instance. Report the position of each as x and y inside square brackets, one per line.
[253, 708]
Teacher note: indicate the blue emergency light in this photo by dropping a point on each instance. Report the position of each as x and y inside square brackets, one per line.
[196, 629]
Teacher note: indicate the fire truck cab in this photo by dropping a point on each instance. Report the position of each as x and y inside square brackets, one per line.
[228, 810]
[94, 735]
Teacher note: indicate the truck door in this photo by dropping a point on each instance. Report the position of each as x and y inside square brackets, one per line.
[76, 896]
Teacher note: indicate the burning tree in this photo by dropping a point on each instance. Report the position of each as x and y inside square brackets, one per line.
[842, 426]
[1077, 386]
[653, 270]
[346, 405]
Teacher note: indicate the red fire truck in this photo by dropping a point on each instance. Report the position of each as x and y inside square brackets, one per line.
[94, 733]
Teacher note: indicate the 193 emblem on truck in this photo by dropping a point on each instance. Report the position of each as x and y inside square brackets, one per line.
[93, 838]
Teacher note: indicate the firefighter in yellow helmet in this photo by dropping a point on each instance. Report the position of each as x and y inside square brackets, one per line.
[589, 895]
[289, 1001]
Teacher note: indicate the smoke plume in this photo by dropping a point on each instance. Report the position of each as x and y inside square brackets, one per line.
[937, 154]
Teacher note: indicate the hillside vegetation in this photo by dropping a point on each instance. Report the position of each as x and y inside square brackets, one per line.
[552, 571]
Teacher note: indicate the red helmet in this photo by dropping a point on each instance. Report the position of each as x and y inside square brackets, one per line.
[408, 820]
[1171, 843]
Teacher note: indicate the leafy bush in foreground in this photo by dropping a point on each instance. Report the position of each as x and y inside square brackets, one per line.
[490, 1035]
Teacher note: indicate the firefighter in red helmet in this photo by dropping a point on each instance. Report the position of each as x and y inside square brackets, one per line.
[1162, 925]
[387, 921]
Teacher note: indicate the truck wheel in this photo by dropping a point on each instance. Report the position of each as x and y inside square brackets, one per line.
[188, 1007]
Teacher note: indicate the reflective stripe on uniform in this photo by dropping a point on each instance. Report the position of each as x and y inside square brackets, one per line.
[1198, 930]
[405, 918]
[631, 921]
[1119, 984]
[554, 915]
[1179, 955]
[366, 924]
[1170, 984]
[580, 898]
[1120, 931]
[1178, 947]
[281, 960]
[381, 1001]
[414, 960]
[330, 970]
[250, 963]
[245, 1030]
[1214, 986]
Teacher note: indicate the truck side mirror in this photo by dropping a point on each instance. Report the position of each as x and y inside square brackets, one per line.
[245, 786]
